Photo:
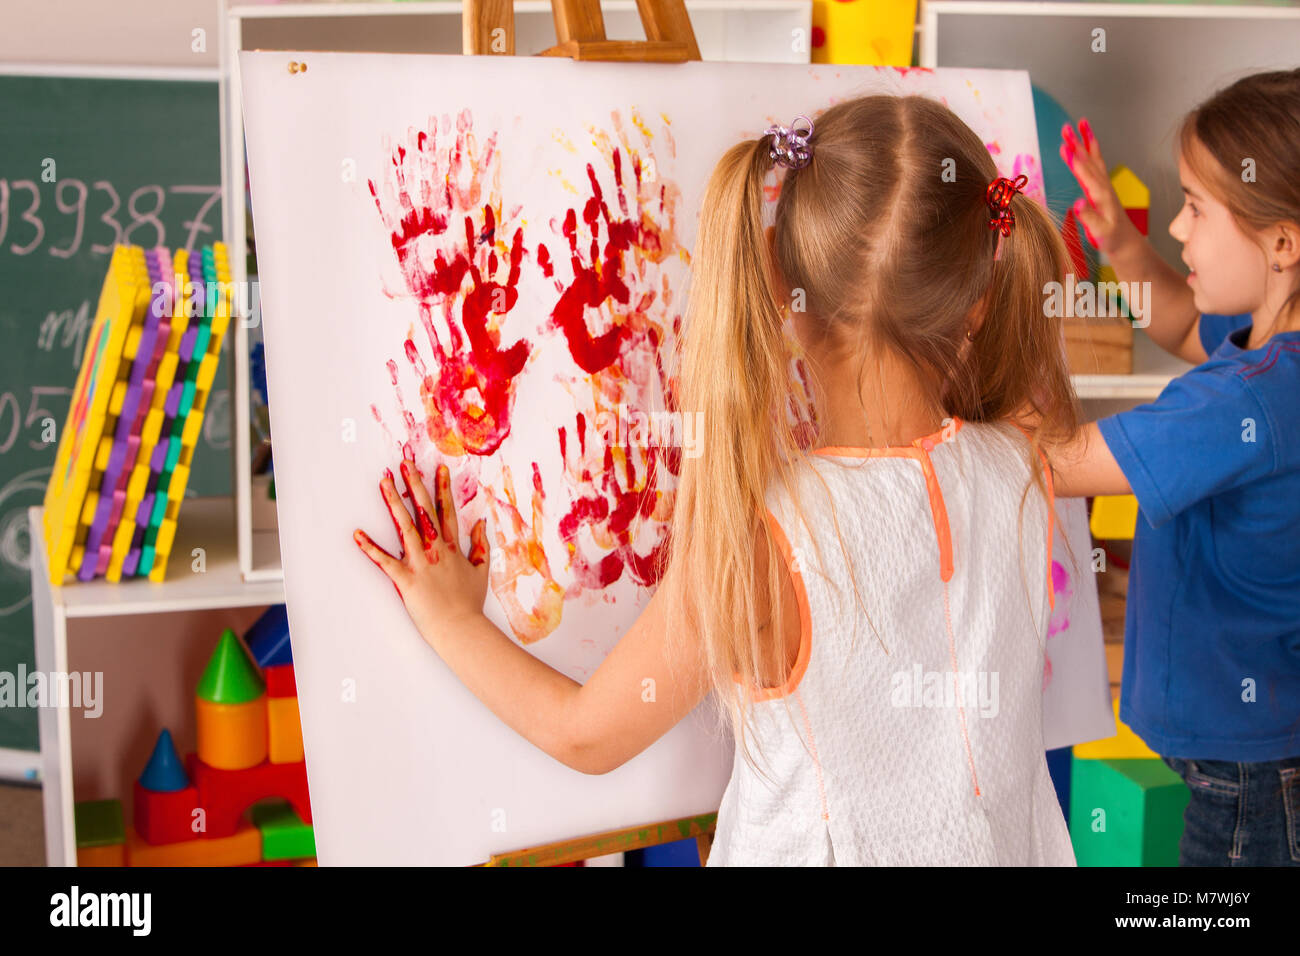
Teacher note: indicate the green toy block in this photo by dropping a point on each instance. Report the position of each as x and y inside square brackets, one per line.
[1126, 812]
[284, 835]
[231, 677]
[98, 823]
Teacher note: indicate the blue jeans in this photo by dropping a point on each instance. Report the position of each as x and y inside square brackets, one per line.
[1240, 814]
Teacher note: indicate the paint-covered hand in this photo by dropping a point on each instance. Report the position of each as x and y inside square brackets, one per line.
[1107, 225]
[441, 588]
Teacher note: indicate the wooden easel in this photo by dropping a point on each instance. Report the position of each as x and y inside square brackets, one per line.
[580, 29]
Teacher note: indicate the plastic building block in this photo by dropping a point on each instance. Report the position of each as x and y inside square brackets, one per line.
[279, 681]
[1132, 192]
[226, 794]
[71, 496]
[872, 32]
[1125, 745]
[232, 736]
[111, 855]
[242, 845]
[268, 638]
[230, 677]
[165, 817]
[1126, 812]
[1059, 762]
[284, 730]
[165, 800]
[98, 823]
[284, 835]
[189, 421]
[230, 706]
[144, 349]
[1114, 517]
[164, 773]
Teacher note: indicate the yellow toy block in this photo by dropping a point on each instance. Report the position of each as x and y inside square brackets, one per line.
[285, 727]
[245, 846]
[1114, 517]
[232, 736]
[870, 32]
[111, 855]
[122, 304]
[1125, 745]
[1132, 192]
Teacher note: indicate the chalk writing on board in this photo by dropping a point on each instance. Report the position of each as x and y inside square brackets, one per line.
[74, 327]
[72, 197]
[13, 419]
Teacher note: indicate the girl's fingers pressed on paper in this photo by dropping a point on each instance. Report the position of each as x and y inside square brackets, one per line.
[421, 502]
[386, 562]
[478, 547]
[446, 506]
[401, 517]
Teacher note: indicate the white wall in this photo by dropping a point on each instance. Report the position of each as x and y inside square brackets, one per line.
[109, 32]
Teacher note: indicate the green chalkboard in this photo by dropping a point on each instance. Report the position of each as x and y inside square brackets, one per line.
[84, 163]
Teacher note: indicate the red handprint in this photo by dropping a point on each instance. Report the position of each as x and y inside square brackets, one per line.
[619, 502]
[614, 257]
[455, 265]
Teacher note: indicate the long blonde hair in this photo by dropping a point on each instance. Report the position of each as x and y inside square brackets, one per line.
[886, 235]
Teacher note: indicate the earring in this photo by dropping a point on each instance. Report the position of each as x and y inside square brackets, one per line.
[970, 336]
[1276, 267]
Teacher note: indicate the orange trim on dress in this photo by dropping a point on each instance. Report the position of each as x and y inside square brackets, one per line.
[920, 451]
[805, 621]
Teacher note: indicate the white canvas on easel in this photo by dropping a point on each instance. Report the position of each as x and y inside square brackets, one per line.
[405, 765]
[1076, 687]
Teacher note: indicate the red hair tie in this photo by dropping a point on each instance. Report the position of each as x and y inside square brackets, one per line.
[998, 196]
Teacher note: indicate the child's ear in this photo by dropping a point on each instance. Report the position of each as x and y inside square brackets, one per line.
[1285, 242]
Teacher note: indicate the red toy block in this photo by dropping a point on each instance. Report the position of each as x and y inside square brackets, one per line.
[1139, 218]
[226, 794]
[166, 817]
[279, 681]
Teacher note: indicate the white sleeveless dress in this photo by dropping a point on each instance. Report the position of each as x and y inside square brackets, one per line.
[882, 757]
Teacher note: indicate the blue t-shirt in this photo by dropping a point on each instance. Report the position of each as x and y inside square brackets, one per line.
[1214, 590]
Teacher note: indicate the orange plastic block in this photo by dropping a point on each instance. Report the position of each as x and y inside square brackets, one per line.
[232, 736]
[112, 855]
[311, 862]
[244, 846]
[285, 729]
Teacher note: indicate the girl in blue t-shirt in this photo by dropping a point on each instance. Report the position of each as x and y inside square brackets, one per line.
[1212, 650]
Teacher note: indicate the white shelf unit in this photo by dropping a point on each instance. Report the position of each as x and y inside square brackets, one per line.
[205, 523]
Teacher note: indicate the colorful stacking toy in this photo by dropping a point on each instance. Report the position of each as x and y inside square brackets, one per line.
[127, 446]
[242, 799]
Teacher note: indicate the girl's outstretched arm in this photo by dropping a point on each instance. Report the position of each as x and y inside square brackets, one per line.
[1171, 314]
[641, 690]
[1083, 465]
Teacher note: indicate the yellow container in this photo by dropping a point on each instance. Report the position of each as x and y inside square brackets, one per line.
[870, 32]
